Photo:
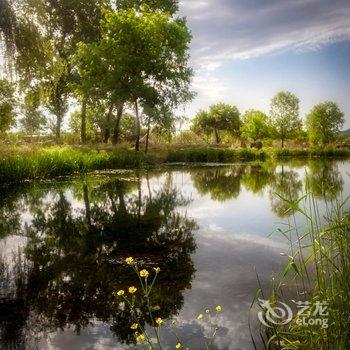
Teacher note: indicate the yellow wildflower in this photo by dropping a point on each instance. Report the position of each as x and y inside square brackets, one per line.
[132, 290]
[140, 338]
[134, 326]
[200, 317]
[156, 269]
[218, 308]
[144, 273]
[178, 346]
[159, 321]
[129, 260]
[120, 292]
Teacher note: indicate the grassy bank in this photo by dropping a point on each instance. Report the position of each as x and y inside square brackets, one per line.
[53, 162]
[26, 163]
[222, 155]
[319, 263]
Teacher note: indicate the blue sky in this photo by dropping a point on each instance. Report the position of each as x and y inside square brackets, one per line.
[244, 51]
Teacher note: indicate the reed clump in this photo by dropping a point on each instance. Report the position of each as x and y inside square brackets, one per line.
[62, 161]
[319, 269]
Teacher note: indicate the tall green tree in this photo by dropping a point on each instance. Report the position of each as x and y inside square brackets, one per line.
[7, 105]
[255, 125]
[324, 122]
[220, 117]
[142, 57]
[61, 25]
[33, 120]
[284, 114]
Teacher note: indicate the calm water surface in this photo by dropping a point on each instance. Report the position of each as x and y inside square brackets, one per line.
[208, 228]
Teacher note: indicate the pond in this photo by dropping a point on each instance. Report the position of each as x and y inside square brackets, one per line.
[211, 229]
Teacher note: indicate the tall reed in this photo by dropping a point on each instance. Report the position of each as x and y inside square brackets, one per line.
[318, 270]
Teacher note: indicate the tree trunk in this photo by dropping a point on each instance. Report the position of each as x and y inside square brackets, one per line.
[217, 136]
[107, 130]
[137, 129]
[282, 143]
[116, 130]
[58, 127]
[148, 132]
[83, 122]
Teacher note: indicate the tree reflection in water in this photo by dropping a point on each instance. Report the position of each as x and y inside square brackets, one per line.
[78, 232]
[75, 251]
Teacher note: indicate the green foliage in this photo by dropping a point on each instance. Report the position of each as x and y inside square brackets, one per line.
[7, 105]
[328, 258]
[170, 6]
[52, 162]
[255, 125]
[284, 115]
[324, 122]
[214, 155]
[33, 121]
[220, 117]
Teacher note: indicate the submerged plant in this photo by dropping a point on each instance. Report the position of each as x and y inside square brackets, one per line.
[134, 297]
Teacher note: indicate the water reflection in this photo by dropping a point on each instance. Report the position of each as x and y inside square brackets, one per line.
[75, 258]
[76, 234]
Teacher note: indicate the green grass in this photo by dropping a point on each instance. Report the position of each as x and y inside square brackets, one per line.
[18, 164]
[53, 162]
[319, 265]
[226, 155]
[214, 155]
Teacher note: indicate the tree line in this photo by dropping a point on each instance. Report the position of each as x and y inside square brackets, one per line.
[120, 69]
[321, 125]
[99, 57]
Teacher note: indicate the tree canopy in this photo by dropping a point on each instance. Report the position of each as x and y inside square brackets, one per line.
[324, 122]
[7, 105]
[284, 114]
[220, 117]
[255, 125]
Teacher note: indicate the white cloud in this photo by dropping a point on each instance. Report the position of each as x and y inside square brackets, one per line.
[227, 30]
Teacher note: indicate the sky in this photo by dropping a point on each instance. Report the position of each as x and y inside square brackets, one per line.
[244, 51]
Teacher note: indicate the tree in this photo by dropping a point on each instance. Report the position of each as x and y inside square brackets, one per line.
[34, 120]
[142, 57]
[58, 27]
[284, 115]
[255, 125]
[220, 117]
[324, 122]
[7, 105]
[169, 6]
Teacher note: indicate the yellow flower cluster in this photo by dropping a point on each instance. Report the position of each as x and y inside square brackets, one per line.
[120, 292]
[134, 326]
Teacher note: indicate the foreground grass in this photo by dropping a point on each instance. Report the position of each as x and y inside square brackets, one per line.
[28, 163]
[53, 162]
[320, 262]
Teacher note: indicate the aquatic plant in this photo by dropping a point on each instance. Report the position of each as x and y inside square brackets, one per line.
[319, 264]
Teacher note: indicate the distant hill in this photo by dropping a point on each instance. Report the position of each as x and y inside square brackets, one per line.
[345, 132]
